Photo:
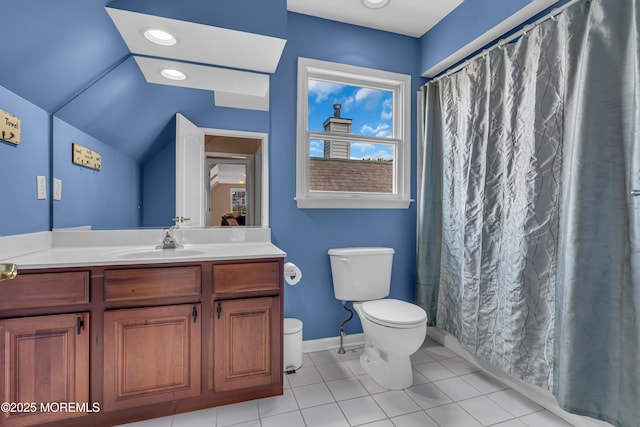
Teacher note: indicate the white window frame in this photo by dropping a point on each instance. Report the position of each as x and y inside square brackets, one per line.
[400, 85]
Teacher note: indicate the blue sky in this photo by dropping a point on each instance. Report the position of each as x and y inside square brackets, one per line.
[370, 110]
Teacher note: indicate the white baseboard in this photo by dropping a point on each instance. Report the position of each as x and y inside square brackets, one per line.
[330, 343]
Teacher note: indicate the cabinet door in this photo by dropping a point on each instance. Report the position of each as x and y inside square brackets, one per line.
[151, 355]
[246, 343]
[45, 361]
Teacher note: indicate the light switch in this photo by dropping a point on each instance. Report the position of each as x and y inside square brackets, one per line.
[57, 189]
[41, 187]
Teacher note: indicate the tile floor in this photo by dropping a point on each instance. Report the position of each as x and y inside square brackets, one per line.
[332, 390]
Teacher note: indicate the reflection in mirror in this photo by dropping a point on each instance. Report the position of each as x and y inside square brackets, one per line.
[82, 84]
[136, 185]
[235, 193]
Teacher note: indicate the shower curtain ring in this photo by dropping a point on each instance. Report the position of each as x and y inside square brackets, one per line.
[527, 29]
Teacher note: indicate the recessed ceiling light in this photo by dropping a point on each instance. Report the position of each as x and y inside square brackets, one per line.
[375, 4]
[172, 74]
[158, 36]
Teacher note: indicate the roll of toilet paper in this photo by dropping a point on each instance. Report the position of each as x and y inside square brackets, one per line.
[292, 273]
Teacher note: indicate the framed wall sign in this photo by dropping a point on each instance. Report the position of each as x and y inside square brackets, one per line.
[9, 127]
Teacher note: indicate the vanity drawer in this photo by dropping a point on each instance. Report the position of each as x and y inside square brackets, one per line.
[246, 277]
[151, 283]
[45, 290]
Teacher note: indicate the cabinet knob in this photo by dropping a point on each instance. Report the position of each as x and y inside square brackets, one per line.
[8, 272]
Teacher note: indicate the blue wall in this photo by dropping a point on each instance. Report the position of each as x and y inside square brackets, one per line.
[49, 65]
[159, 187]
[20, 211]
[307, 234]
[105, 199]
[466, 23]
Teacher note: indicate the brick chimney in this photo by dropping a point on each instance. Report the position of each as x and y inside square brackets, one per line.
[337, 124]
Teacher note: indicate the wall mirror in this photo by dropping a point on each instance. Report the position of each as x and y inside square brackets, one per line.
[83, 85]
[138, 184]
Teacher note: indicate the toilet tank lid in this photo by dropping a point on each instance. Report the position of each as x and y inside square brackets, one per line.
[360, 251]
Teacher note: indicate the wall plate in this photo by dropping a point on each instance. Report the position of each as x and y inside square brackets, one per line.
[57, 189]
[41, 187]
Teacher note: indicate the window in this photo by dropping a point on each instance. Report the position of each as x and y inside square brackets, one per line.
[353, 139]
[238, 201]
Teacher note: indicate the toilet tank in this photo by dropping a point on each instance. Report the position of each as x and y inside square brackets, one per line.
[361, 274]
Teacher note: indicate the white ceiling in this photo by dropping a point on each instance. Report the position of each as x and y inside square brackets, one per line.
[227, 174]
[408, 17]
[224, 47]
[206, 77]
[203, 62]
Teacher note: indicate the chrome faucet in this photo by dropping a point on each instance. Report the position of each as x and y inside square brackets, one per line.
[169, 242]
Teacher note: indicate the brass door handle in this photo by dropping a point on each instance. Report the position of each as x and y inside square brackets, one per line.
[180, 219]
[8, 271]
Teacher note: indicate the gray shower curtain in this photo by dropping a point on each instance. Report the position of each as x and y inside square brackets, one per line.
[529, 240]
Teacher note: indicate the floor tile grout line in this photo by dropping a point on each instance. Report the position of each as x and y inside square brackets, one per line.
[456, 375]
[371, 395]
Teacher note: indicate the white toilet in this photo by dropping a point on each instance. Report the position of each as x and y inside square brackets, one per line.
[393, 329]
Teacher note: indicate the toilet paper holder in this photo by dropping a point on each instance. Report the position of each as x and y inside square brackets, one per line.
[292, 273]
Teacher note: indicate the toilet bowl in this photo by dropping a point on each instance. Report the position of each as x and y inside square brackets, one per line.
[393, 329]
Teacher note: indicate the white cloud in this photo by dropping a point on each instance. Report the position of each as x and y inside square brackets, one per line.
[367, 151]
[316, 148]
[346, 104]
[322, 90]
[387, 109]
[382, 130]
[362, 146]
[369, 97]
[365, 92]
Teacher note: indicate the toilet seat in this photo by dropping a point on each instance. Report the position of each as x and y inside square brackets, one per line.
[394, 313]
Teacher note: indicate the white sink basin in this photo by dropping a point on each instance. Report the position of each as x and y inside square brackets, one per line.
[159, 253]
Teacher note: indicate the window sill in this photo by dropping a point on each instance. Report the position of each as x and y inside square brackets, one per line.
[351, 203]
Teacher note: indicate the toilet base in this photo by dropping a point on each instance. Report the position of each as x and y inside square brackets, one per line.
[392, 372]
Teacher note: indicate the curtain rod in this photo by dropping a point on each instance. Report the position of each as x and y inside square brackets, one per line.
[551, 15]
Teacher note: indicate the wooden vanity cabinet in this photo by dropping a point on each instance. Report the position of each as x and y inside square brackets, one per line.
[245, 343]
[45, 359]
[152, 355]
[163, 339]
[247, 326]
[44, 345]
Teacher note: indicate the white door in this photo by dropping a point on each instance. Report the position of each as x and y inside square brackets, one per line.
[190, 172]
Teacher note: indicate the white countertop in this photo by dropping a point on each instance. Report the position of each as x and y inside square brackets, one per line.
[92, 248]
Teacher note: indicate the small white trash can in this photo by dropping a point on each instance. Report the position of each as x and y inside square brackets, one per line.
[292, 344]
